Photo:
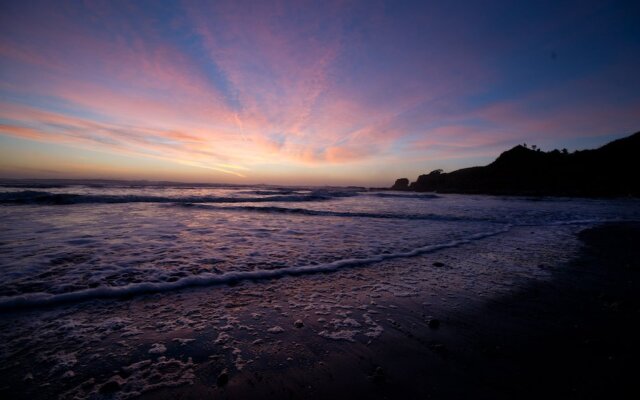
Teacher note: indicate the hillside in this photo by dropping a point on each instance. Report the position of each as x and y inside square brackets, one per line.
[610, 170]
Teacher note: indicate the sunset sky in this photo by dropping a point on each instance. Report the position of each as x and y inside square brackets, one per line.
[307, 92]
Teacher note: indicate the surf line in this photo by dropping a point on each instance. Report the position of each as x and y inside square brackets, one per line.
[34, 300]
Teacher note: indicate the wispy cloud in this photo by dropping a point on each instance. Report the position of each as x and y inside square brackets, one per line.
[240, 87]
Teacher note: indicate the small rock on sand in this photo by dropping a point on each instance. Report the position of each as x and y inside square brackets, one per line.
[111, 386]
[69, 374]
[434, 323]
[438, 264]
[275, 329]
[298, 323]
[223, 378]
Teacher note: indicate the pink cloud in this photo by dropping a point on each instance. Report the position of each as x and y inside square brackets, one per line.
[238, 86]
[278, 74]
[170, 145]
[22, 132]
[155, 97]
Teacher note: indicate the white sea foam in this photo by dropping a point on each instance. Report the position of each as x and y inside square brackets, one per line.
[208, 279]
[157, 348]
[99, 249]
[327, 213]
[347, 335]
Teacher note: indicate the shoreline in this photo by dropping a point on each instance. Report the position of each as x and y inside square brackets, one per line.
[505, 314]
[568, 337]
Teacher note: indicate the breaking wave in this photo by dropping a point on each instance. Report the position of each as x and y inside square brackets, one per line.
[405, 196]
[208, 279]
[327, 213]
[48, 198]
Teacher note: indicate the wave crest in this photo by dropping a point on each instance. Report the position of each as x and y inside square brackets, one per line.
[48, 198]
[327, 213]
[208, 279]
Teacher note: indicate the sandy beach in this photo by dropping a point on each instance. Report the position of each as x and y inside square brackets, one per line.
[448, 324]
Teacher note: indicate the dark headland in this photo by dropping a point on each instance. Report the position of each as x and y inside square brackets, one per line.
[608, 171]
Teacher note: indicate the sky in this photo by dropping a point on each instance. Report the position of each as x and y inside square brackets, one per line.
[307, 93]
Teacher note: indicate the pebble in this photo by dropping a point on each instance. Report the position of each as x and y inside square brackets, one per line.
[69, 374]
[275, 329]
[434, 323]
[223, 378]
[110, 387]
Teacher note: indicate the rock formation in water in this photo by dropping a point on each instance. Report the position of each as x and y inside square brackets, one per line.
[401, 184]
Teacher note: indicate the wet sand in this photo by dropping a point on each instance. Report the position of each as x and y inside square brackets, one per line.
[572, 336]
[504, 317]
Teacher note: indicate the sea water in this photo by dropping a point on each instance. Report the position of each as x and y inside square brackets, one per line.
[95, 239]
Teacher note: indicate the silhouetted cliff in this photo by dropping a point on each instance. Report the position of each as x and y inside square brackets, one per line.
[610, 170]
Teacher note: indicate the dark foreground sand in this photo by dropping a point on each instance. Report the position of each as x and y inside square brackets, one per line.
[533, 320]
[574, 336]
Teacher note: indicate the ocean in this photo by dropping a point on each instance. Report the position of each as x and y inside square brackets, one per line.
[164, 281]
[93, 240]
